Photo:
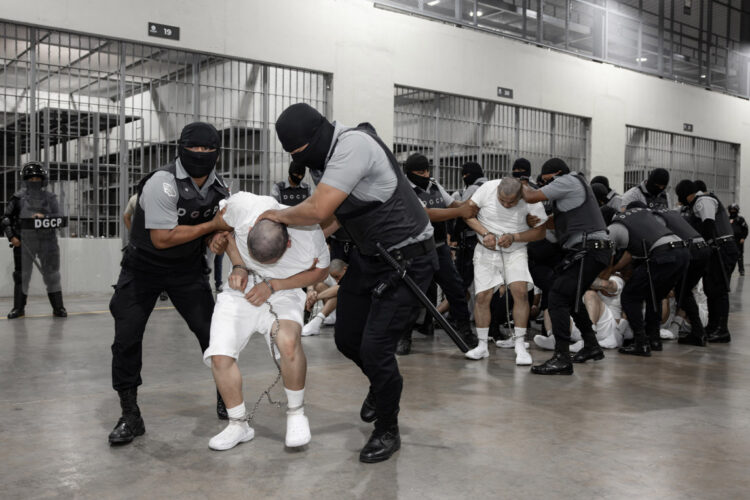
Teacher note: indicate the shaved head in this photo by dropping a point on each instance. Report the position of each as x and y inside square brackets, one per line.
[509, 191]
[267, 241]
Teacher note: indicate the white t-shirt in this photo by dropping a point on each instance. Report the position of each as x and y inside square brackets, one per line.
[308, 242]
[500, 220]
[613, 302]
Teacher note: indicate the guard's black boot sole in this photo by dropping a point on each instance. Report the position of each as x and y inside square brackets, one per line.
[557, 365]
[588, 353]
[126, 430]
[381, 446]
[367, 412]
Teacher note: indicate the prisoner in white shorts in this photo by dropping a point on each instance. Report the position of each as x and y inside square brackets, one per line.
[501, 259]
[271, 263]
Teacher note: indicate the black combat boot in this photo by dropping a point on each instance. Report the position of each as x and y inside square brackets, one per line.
[558, 364]
[696, 336]
[427, 328]
[721, 335]
[221, 408]
[465, 331]
[591, 349]
[56, 301]
[654, 338]
[19, 303]
[639, 347]
[367, 412]
[383, 443]
[130, 424]
[404, 344]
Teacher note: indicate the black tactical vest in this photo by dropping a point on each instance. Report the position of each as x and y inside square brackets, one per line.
[654, 201]
[390, 222]
[292, 196]
[723, 226]
[642, 226]
[36, 202]
[677, 224]
[434, 199]
[191, 210]
[586, 218]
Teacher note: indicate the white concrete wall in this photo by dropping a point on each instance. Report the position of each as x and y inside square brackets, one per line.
[369, 50]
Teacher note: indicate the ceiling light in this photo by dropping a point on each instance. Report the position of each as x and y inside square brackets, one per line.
[479, 13]
[641, 59]
[433, 3]
[703, 76]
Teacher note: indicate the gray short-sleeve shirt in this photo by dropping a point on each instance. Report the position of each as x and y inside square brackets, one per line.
[705, 207]
[567, 191]
[159, 197]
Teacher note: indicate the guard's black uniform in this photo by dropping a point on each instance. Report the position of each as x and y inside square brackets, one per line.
[667, 262]
[739, 226]
[720, 235]
[581, 260]
[699, 255]
[38, 239]
[291, 195]
[181, 271]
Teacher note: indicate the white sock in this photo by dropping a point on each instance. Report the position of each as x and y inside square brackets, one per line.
[483, 334]
[520, 335]
[317, 320]
[294, 401]
[237, 412]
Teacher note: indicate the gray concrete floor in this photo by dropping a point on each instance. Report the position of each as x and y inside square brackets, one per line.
[676, 425]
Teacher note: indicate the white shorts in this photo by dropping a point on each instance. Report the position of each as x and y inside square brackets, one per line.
[489, 272]
[235, 320]
[606, 327]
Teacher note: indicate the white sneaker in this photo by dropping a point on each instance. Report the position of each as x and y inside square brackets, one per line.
[545, 342]
[523, 358]
[234, 434]
[331, 319]
[667, 334]
[312, 328]
[297, 431]
[479, 352]
[509, 344]
[576, 346]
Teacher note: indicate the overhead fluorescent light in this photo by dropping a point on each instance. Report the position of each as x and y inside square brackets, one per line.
[641, 59]
[703, 76]
[479, 13]
[433, 3]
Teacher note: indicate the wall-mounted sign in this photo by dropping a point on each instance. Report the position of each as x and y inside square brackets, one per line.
[687, 127]
[506, 93]
[163, 31]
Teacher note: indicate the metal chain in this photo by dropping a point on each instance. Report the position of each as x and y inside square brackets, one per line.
[274, 332]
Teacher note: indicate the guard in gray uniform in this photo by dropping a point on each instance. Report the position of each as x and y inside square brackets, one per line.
[292, 191]
[712, 222]
[581, 232]
[166, 252]
[30, 222]
[441, 207]
[463, 235]
[610, 197]
[699, 256]
[659, 260]
[360, 182]
[650, 192]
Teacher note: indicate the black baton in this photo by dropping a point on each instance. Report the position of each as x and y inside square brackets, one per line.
[681, 297]
[723, 269]
[650, 281]
[579, 292]
[455, 337]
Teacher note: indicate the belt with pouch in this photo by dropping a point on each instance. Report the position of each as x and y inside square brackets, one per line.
[667, 246]
[698, 244]
[722, 240]
[413, 249]
[593, 245]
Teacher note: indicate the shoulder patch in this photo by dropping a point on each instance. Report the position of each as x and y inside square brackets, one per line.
[169, 189]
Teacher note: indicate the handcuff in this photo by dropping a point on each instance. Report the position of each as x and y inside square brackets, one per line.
[265, 280]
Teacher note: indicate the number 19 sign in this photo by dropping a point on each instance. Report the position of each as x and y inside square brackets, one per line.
[164, 31]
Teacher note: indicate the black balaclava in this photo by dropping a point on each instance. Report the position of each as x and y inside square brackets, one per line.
[607, 213]
[301, 124]
[471, 171]
[600, 191]
[196, 134]
[734, 210]
[658, 176]
[554, 165]
[683, 189]
[417, 163]
[521, 169]
[539, 181]
[296, 172]
[700, 185]
[600, 179]
[635, 204]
